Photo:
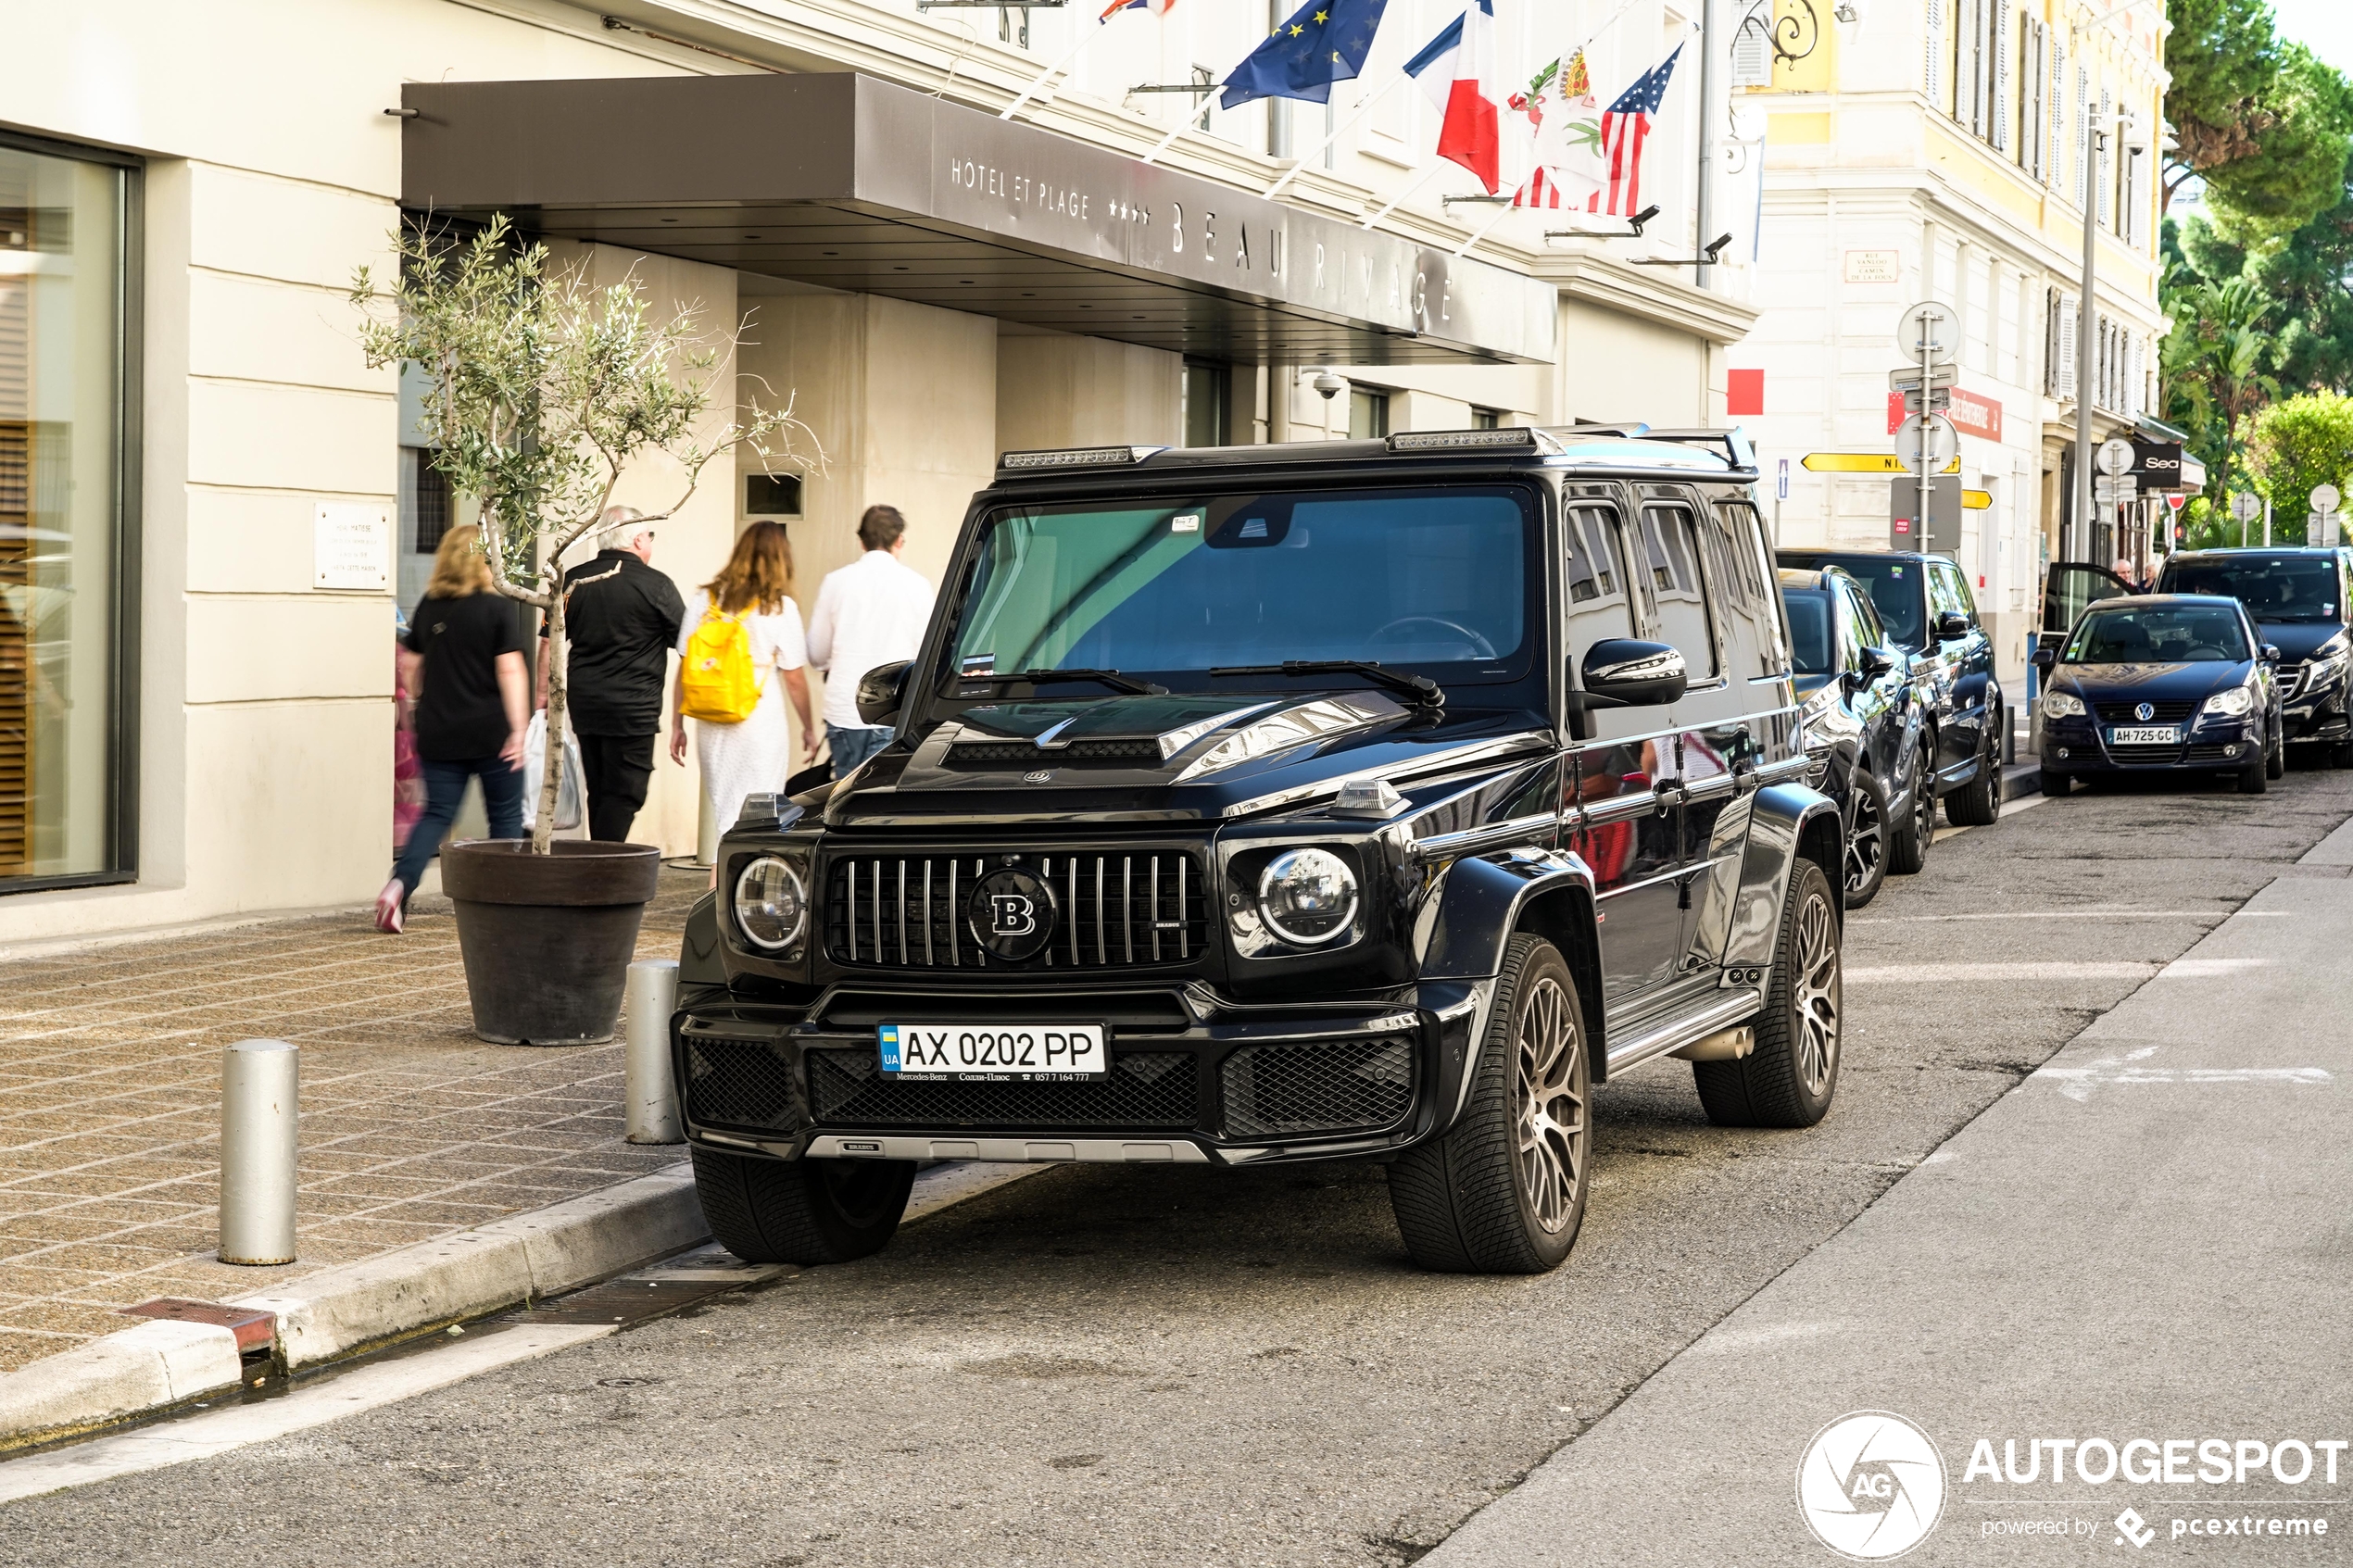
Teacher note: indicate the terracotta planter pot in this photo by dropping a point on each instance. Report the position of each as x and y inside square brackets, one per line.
[547, 938]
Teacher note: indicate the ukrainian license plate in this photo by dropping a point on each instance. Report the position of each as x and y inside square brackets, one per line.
[995, 1052]
[2144, 735]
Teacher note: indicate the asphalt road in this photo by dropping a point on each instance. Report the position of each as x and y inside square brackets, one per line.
[1175, 1366]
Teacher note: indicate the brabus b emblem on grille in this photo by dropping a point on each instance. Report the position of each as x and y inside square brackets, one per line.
[1010, 913]
[2146, 711]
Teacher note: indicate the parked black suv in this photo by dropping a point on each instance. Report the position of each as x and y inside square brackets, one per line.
[1925, 603]
[2297, 599]
[1862, 727]
[1346, 800]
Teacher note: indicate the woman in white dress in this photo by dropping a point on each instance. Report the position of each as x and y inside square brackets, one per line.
[753, 756]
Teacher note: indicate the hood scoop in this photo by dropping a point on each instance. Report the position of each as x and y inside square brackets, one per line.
[1144, 734]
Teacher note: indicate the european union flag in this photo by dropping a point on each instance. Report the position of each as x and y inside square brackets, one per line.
[1324, 42]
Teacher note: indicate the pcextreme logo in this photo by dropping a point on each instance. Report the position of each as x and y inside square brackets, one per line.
[1871, 1486]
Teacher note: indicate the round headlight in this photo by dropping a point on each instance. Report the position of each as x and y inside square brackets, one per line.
[772, 906]
[2061, 705]
[1307, 896]
[2231, 703]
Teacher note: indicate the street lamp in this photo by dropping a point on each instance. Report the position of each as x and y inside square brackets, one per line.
[2087, 319]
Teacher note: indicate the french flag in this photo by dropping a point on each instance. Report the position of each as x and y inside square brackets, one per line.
[1157, 7]
[1457, 70]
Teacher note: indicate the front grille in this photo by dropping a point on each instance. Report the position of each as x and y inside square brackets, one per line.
[1333, 1085]
[1116, 909]
[1146, 1092]
[2291, 680]
[2126, 712]
[740, 1084]
[2131, 754]
[975, 755]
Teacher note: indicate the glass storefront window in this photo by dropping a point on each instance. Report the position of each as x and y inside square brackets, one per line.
[63, 325]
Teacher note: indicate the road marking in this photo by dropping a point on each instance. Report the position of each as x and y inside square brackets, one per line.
[2073, 914]
[1939, 973]
[431, 1364]
[218, 1431]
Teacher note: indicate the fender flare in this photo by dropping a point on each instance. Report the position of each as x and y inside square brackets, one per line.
[700, 962]
[1787, 822]
[1476, 904]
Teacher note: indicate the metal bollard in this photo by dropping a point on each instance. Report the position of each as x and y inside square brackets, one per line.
[645, 1006]
[260, 1089]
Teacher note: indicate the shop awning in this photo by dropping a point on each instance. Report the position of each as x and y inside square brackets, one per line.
[850, 182]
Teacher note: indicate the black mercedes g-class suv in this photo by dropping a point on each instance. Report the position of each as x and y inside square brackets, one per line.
[1365, 799]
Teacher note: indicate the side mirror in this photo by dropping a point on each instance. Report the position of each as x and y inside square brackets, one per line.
[880, 690]
[2044, 659]
[2268, 653]
[1952, 626]
[1627, 672]
[1877, 663]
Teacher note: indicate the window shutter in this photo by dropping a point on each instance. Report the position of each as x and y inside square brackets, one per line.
[1753, 54]
[1935, 51]
[2067, 313]
[2103, 164]
[2132, 373]
[1973, 64]
[2082, 137]
[2055, 101]
[2001, 115]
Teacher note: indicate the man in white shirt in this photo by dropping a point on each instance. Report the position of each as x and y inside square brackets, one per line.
[871, 612]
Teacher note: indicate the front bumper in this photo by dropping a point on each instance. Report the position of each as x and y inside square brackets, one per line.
[2080, 746]
[1194, 1080]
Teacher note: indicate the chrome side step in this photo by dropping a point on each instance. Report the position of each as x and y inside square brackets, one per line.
[1734, 1007]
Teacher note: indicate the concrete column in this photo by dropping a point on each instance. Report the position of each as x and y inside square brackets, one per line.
[1278, 390]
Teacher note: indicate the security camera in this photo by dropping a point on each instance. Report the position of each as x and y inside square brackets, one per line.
[1331, 385]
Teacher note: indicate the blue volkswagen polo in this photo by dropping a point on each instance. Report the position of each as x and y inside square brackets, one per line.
[2154, 683]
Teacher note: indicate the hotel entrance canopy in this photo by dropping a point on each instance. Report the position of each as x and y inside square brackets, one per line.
[850, 182]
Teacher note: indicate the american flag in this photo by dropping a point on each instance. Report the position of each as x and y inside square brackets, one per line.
[1626, 125]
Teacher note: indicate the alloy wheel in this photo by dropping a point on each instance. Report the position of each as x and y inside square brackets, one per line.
[1865, 843]
[1548, 1092]
[1815, 993]
[1924, 807]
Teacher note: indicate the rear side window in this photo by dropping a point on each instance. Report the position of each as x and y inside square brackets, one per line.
[1955, 591]
[1597, 608]
[1736, 565]
[1809, 631]
[1678, 591]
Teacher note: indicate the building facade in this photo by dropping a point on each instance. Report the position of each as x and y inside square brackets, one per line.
[212, 512]
[1955, 150]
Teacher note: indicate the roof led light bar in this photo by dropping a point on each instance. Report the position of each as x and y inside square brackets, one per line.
[1078, 458]
[1463, 440]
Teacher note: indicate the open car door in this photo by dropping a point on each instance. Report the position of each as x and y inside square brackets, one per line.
[2069, 589]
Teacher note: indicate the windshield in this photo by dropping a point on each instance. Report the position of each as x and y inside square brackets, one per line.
[1809, 630]
[2159, 634]
[1436, 581]
[2282, 588]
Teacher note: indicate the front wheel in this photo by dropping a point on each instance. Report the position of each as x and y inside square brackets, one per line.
[1502, 1192]
[2057, 785]
[1907, 845]
[1977, 804]
[802, 1211]
[2276, 756]
[1867, 840]
[1789, 1078]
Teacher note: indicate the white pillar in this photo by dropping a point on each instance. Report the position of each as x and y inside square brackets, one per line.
[261, 1083]
[645, 1006]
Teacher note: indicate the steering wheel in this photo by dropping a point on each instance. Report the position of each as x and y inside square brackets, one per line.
[2202, 651]
[1480, 647]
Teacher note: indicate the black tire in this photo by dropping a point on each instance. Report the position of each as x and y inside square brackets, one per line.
[1977, 804]
[2057, 785]
[1866, 864]
[802, 1211]
[1474, 1200]
[2276, 756]
[1790, 1077]
[2341, 754]
[2254, 778]
[1914, 828]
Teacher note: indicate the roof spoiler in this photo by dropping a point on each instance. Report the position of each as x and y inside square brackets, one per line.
[1732, 444]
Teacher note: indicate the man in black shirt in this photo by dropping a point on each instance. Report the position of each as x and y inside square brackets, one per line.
[620, 621]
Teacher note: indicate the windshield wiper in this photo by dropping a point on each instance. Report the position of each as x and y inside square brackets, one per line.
[1111, 678]
[1420, 690]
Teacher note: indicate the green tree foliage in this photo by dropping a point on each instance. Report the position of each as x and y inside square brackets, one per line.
[2296, 444]
[2265, 124]
[2215, 361]
[2308, 275]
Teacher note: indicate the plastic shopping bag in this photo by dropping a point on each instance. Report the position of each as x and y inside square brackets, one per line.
[568, 782]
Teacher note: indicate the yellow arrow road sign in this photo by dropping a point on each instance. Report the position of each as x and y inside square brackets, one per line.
[1865, 463]
[1976, 500]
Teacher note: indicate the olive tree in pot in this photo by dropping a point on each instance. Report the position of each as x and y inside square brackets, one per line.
[545, 390]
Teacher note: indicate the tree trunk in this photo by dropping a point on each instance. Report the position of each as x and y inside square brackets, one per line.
[543, 827]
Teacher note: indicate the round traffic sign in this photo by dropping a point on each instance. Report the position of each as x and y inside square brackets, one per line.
[2246, 505]
[2324, 499]
[2115, 456]
[1929, 328]
[1933, 432]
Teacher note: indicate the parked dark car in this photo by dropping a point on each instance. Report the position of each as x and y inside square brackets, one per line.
[2160, 683]
[1924, 602]
[1352, 800]
[1862, 727]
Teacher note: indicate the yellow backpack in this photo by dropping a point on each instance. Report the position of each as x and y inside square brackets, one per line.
[717, 683]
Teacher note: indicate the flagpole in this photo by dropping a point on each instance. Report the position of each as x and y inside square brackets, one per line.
[1162, 145]
[1501, 213]
[1362, 110]
[1086, 36]
[1438, 165]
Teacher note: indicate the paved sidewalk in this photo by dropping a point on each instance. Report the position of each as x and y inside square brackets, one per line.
[2144, 1242]
[411, 1128]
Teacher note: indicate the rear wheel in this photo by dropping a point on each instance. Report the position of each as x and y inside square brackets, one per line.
[1789, 1079]
[801, 1210]
[1907, 845]
[1977, 804]
[1867, 840]
[1503, 1191]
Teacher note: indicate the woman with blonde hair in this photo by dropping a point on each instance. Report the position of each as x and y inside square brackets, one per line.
[751, 753]
[462, 657]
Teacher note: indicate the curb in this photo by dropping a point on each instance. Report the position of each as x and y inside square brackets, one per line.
[428, 1285]
[2021, 780]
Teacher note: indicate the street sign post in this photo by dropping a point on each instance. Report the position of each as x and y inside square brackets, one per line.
[1927, 334]
[2115, 456]
[1927, 331]
[1945, 501]
[2324, 500]
[2246, 506]
[1929, 438]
